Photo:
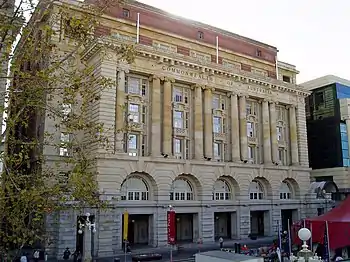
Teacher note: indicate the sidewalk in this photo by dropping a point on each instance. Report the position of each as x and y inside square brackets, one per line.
[206, 246]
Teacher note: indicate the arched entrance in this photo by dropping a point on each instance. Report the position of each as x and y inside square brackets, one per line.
[136, 191]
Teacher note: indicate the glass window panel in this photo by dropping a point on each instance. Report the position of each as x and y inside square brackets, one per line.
[132, 143]
[177, 146]
[133, 85]
[216, 150]
[216, 102]
[217, 124]
[178, 119]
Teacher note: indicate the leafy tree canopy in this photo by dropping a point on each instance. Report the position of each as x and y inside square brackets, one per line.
[49, 167]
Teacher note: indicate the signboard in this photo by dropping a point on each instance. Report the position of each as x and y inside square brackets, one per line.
[171, 227]
[125, 225]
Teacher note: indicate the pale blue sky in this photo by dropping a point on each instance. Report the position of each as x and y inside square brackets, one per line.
[314, 35]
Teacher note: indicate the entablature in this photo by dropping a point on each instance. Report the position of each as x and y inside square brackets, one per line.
[254, 81]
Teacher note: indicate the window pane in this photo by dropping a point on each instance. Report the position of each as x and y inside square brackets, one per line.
[217, 124]
[178, 119]
[177, 146]
[177, 95]
[133, 85]
[132, 143]
[216, 149]
[216, 102]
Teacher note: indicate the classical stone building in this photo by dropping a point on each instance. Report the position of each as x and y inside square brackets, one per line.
[214, 133]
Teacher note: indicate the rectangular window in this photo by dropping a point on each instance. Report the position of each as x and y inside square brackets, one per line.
[136, 86]
[134, 113]
[126, 13]
[64, 139]
[217, 124]
[250, 129]
[66, 110]
[218, 148]
[132, 144]
[251, 154]
[281, 155]
[279, 131]
[216, 102]
[177, 146]
[178, 119]
[180, 95]
[286, 79]
[319, 99]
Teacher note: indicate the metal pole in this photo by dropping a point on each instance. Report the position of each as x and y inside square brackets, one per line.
[125, 251]
[171, 253]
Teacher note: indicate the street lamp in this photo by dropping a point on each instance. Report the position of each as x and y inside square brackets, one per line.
[305, 234]
[87, 224]
[90, 227]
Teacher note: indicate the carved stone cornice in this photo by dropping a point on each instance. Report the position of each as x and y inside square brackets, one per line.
[123, 66]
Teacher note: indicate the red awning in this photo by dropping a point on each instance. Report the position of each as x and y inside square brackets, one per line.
[338, 220]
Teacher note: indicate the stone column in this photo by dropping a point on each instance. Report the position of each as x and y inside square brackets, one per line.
[347, 122]
[293, 135]
[273, 126]
[235, 147]
[156, 117]
[243, 127]
[120, 111]
[167, 116]
[208, 122]
[266, 132]
[198, 123]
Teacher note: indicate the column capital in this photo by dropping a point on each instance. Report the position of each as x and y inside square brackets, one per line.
[208, 88]
[291, 106]
[243, 95]
[273, 102]
[123, 66]
[231, 94]
[195, 86]
[154, 77]
[168, 79]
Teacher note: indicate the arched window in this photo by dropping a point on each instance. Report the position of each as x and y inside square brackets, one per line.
[221, 190]
[285, 191]
[181, 190]
[256, 191]
[134, 189]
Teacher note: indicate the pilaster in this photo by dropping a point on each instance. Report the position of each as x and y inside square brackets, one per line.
[266, 132]
[167, 116]
[274, 142]
[198, 123]
[302, 133]
[156, 116]
[208, 122]
[120, 108]
[235, 146]
[293, 135]
[243, 127]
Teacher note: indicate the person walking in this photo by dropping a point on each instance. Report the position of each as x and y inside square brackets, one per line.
[221, 241]
[36, 255]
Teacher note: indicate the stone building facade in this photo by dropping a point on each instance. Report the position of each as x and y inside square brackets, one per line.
[216, 136]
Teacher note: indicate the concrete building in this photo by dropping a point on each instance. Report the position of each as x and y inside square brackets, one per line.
[327, 114]
[214, 134]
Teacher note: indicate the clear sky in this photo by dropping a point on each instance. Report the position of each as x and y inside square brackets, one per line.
[314, 35]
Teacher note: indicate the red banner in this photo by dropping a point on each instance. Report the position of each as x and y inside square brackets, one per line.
[171, 227]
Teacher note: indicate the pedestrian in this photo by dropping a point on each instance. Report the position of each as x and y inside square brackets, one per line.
[221, 241]
[36, 255]
[66, 254]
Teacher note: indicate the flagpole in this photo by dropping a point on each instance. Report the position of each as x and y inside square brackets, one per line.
[328, 253]
[289, 240]
[217, 49]
[138, 29]
[279, 235]
[276, 65]
[311, 245]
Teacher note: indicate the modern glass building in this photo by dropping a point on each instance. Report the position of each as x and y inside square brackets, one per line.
[328, 138]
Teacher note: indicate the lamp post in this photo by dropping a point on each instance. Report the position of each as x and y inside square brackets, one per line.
[87, 227]
[305, 234]
[171, 229]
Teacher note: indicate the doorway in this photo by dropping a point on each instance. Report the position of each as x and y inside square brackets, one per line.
[222, 225]
[257, 223]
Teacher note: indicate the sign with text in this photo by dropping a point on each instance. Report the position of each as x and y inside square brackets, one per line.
[171, 226]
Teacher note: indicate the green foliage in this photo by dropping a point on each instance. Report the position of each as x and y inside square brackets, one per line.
[50, 83]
